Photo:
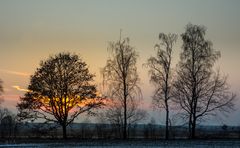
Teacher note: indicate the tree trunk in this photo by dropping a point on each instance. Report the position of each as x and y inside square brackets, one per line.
[125, 119]
[166, 104]
[194, 128]
[64, 128]
[125, 107]
[190, 127]
[167, 126]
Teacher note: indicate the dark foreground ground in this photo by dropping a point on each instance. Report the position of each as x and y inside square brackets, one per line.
[123, 144]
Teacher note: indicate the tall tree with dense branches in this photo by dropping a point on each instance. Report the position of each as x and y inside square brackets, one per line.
[161, 74]
[59, 91]
[199, 90]
[120, 75]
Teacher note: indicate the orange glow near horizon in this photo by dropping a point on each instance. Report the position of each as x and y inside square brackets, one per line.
[71, 104]
[32, 31]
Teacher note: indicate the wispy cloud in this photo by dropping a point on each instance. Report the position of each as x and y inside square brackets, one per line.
[10, 97]
[15, 72]
[20, 89]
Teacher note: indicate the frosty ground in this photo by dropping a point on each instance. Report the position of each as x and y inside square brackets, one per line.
[129, 143]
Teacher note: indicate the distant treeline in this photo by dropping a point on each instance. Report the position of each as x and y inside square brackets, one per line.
[110, 131]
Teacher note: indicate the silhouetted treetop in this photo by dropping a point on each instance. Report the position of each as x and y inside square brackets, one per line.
[161, 74]
[60, 90]
[122, 81]
[198, 89]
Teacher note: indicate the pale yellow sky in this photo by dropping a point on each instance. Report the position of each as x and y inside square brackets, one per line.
[30, 31]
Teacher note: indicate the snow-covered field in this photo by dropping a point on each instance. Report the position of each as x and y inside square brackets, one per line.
[133, 144]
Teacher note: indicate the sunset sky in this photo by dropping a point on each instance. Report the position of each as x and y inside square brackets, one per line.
[30, 31]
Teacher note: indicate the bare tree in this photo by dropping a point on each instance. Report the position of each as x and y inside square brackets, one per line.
[199, 90]
[120, 76]
[1, 91]
[59, 91]
[161, 75]
[4, 112]
[8, 124]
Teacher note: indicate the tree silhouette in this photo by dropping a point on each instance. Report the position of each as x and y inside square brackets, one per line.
[161, 75]
[8, 124]
[1, 91]
[59, 91]
[199, 90]
[120, 75]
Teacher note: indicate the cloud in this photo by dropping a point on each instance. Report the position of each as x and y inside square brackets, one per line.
[10, 97]
[20, 89]
[15, 72]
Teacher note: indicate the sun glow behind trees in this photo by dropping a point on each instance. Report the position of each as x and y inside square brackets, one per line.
[60, 90]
